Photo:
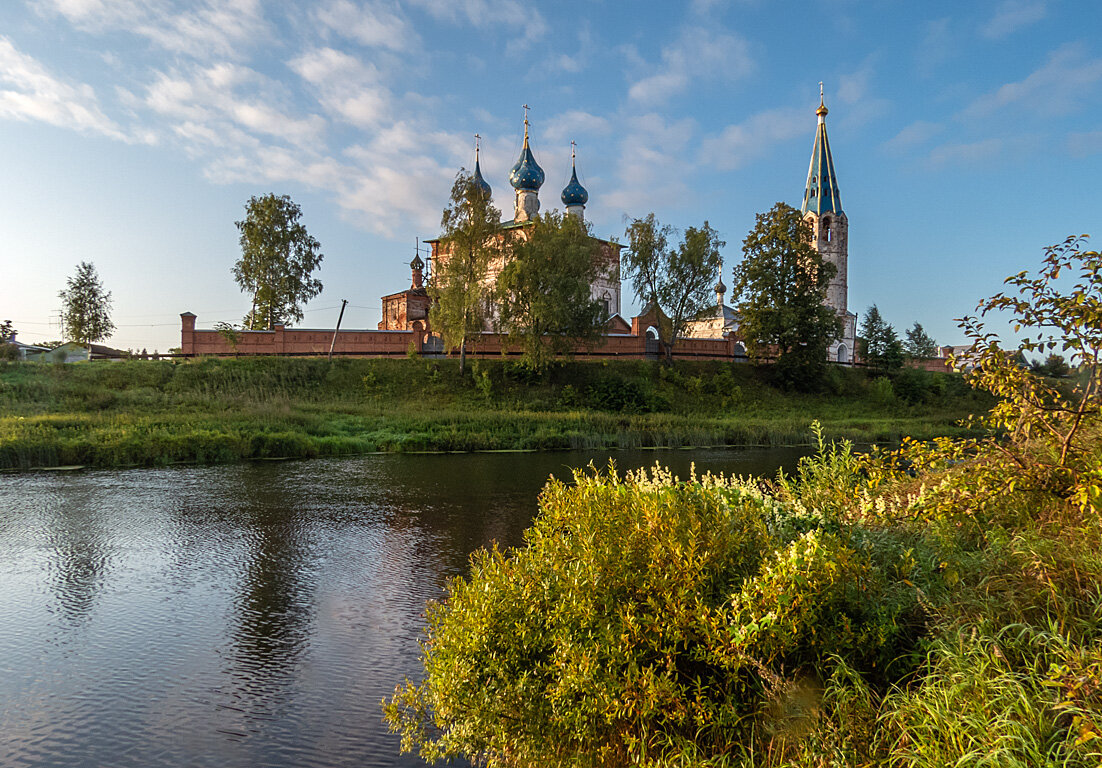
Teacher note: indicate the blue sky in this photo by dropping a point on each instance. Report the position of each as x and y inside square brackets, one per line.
[966, 136]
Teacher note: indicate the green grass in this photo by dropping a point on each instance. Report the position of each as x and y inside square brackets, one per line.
[221, 410]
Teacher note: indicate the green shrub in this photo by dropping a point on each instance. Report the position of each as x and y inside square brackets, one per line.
[881, 391]
[646, 621]
[913, 385]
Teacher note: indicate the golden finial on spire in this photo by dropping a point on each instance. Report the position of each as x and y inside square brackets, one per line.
[573, 144]
[526, 125]
[822, 110]
[477, 139]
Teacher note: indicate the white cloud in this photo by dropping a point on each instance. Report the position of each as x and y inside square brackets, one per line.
[575, 124]
[199, 29]
[370, 23]
[939, 44]
[1061, 85]
[855, 92]
[499, 14]
[742, 142]
[347, 88]
[698, 52]
[29, 92]
[229, 97]
[967, 152]
[1013, 15]
[915, 134]
[652, 168]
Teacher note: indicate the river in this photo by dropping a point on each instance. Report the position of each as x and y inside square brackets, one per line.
[247, 615]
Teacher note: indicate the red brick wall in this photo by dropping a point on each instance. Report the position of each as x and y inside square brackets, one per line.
[377, 343]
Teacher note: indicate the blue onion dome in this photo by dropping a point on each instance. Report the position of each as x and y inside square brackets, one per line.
[526, 174]
[480, 182]
[574, 193]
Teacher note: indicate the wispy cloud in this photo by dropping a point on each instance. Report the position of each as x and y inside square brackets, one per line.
[1012, 15]
[29, 92]
[914, 135]
[370, 23]
[229, 97]
[346, 87]
[575, 124]
[219, 28]
[485, 14]
[652, 166]
[697, 52]
[1061, 85]
[938, 44]
[743, 142]
[957, 153]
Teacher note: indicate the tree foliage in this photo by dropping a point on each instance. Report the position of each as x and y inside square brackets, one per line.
[1054, 366]
[85, 307]
[278, 260]
[880, 345]
[543, 292]
[8, 350]
[1044, 433]
[231, 332]
[919, 344]
[780, 285]
[678, 282]
[472, 240]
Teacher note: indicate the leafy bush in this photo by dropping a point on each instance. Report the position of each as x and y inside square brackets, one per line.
[646, 621]
[612, 393]
[881, 391]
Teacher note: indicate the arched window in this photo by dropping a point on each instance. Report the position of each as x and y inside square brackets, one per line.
[824, 231]
[843, 354]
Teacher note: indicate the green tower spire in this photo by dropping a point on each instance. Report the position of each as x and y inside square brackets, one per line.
[821, 193]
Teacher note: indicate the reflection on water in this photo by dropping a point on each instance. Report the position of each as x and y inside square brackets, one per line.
[252, 615]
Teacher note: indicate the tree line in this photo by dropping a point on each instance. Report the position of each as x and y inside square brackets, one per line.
[532, 284]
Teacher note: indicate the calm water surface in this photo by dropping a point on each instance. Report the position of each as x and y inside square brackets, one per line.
[251, 615]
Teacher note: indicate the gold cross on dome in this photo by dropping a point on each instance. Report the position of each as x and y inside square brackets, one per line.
[477, 139]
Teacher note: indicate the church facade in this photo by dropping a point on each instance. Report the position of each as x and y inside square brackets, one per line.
[526, 177]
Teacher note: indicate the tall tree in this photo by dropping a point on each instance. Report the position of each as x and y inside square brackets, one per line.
[919, 344]
[676, 282]
[880, 345]
[780, 285]
[472, 239]
[543, 292]
[278, 259]
[85, 307]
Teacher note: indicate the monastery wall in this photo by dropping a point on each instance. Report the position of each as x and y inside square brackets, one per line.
[376, 343]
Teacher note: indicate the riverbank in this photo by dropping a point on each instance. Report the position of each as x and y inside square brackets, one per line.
[148, 413]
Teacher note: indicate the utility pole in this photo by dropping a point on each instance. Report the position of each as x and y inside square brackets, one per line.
[337, 329]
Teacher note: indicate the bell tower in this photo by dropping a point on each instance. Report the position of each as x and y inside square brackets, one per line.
[822, 209]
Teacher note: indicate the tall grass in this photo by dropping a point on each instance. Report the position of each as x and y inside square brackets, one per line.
[219, 410]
